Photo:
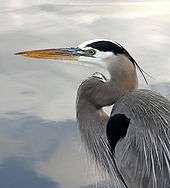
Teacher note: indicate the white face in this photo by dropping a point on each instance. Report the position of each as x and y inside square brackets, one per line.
[95, 56]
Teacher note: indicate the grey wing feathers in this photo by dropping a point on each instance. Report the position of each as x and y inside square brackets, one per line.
[143, 156]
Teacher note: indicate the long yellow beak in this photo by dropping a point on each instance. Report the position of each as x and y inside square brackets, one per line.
[58, 54]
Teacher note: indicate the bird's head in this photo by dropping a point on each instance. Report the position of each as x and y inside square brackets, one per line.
[91, 52]
[102, 52]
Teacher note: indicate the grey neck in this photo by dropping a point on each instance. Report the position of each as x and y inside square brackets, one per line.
[94, 94]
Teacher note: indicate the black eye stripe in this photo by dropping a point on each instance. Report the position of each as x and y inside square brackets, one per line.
[108, 46]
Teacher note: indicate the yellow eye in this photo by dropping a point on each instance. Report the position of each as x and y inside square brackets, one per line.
[91, 52]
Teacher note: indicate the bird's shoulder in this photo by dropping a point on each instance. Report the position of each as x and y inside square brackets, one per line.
[147, 112]
[139, 130]
[142, 103]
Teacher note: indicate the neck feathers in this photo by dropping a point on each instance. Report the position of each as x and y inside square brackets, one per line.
[93, 94]
[98, 93]
[123, 74]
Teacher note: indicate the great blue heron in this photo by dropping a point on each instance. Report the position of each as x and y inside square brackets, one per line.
[133, 143]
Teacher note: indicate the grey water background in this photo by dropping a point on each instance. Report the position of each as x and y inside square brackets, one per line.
[39, 141]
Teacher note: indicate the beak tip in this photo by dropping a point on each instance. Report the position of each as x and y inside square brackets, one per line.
[19, 53]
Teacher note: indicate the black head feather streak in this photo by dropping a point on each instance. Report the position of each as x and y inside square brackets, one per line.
[108, 46]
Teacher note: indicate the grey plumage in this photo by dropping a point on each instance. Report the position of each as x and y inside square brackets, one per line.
[142, 157]
[140, 154]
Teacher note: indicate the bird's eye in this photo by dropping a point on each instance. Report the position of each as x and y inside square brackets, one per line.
[91, 51]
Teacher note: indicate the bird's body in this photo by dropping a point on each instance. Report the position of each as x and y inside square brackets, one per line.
[132, 145]
[142, 156]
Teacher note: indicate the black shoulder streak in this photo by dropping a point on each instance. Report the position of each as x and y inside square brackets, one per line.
[116, 129]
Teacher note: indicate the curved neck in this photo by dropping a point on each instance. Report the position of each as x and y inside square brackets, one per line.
[94, 94]
[123, 79]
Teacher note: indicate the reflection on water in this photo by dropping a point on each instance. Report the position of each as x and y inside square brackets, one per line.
[39, 140]
[42, 151]
[18, 172]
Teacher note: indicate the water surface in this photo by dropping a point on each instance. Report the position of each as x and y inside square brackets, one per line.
[39, 140]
